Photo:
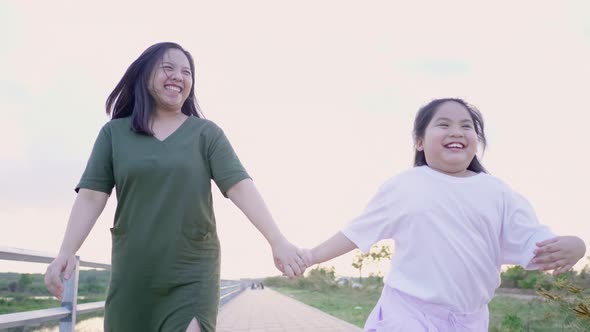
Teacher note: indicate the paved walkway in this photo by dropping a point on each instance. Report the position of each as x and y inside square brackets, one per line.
[266, 311]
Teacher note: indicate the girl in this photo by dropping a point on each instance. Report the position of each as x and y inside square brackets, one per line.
[453, 225]
[161, 156]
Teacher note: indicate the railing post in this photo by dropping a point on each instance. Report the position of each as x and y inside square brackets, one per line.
[70, 299]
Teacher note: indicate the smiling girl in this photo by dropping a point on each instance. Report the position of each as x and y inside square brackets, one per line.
[453, 225]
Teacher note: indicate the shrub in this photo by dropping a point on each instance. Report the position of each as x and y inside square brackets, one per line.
[318, 278]
[571, 301]
[512, 323]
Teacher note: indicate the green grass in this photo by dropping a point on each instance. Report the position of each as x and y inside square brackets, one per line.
[506, 313]
[534, 315]
[21, 303]
[351, 305]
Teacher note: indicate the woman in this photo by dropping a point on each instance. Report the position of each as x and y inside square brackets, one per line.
[160, 155]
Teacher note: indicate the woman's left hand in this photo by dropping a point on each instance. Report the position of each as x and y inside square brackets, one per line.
[559, 253]
[288, 258]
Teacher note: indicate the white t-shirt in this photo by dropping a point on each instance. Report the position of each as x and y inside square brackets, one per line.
[452, 234]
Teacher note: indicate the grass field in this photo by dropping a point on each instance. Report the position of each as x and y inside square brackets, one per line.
[20, 303]
[348, 304]
[506, 313]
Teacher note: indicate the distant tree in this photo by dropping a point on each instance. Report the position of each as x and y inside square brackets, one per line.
[380, 252]
[24, 281]
[533, 280]
[92, 285]
[583, 275]
[375, 254]
[359, 260]
[12, 286]
[512, 276]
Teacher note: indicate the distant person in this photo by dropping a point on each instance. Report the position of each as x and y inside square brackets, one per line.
[453, 225]
[261, 285]
[161, 155]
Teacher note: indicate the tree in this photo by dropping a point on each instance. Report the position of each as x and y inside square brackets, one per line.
[375, 254]
[583, 275]
[359, 260]
[12, 286]
[512, 276]
[24, 281]
[380, 252]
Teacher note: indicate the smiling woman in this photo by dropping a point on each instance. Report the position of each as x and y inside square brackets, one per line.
[160, 156]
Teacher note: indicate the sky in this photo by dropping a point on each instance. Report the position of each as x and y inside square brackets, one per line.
[317, 97]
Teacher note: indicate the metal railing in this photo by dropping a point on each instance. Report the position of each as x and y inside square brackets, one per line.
[66, 314]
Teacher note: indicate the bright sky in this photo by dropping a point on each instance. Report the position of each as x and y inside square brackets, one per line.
[317, 98]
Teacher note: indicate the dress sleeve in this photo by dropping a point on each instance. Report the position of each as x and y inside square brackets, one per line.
[377, 222]
[98, 174]
[226, 168]
[520, 231]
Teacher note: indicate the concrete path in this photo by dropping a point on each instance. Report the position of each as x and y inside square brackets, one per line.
[266, 311]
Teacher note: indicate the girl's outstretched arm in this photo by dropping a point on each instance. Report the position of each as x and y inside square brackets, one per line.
[335, 246]
[559, 253]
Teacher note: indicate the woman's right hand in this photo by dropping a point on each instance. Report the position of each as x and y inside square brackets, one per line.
[62, 263]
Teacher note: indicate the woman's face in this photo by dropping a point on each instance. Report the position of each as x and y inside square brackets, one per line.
[171, 81]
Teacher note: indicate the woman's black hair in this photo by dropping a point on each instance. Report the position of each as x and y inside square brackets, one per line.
[425, 115]
[131, 96]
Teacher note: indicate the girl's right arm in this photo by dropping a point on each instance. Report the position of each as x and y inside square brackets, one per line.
[88, 206]
[335, 246]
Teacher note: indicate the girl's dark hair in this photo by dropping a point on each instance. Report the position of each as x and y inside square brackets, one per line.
[131, 96]
[425, 115]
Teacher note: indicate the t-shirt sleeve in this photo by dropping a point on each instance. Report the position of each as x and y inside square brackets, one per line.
[98, 174]
[520, 232]
[226, 168]
[377, 221]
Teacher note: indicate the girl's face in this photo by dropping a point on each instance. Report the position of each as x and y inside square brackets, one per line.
[171, 81]
[450, 141]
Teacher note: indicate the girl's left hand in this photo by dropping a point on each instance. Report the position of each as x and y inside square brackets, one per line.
[288, 258]
[559, 253]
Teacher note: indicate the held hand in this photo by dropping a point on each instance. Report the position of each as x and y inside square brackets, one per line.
[62, 263]
[307, 256]
[559, 253]
[288, 259]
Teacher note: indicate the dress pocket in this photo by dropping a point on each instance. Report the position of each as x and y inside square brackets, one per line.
[197, 234]
[119, 240]
[198, 231]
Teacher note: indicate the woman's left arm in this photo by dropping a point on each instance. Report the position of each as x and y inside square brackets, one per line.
[287, 257]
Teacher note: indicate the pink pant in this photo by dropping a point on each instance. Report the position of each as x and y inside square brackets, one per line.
[397, 311]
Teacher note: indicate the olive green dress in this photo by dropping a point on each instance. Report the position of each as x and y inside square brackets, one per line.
[165, 250]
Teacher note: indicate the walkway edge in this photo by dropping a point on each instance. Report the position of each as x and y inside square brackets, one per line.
[352, 326]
